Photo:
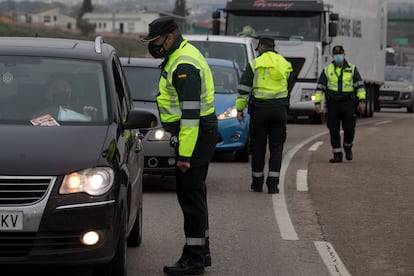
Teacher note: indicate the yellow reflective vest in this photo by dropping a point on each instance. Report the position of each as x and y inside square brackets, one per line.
[329, 82]
[270, 81]
[171, 109]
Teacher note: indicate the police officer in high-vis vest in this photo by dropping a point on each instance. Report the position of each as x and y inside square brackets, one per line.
[344, 88]
[186, 107]
[264, 86]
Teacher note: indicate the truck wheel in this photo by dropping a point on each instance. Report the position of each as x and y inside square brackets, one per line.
[410, 109]
[319, 119]
[118, 265]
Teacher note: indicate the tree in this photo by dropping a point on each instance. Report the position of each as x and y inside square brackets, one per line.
[180, 9]
[86, 7]
[85, 27]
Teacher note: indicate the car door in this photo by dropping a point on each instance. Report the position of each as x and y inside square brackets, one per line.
[133, 157]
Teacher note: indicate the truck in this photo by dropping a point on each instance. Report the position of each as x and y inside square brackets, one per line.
[305, 33]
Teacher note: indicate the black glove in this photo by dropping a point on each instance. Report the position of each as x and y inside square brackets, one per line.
[174, 141]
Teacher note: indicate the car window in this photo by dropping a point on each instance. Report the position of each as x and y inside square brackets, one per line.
[223, 50]
[399, 74]
[225, 79]
[64, 90]
[143, 82]
[124, 99]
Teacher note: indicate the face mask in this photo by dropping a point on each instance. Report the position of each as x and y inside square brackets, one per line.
[338, 58]
[157, 51]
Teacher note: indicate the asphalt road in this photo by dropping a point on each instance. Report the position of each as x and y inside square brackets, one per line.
[353, 218]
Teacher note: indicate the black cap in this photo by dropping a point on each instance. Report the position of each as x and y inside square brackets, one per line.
[266, 41]
[160, 26]
[338, 49]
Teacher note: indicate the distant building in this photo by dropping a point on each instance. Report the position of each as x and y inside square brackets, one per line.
[130, 23]
[51, 16]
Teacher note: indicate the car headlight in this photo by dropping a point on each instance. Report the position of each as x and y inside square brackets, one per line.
[96, 181]
[307, 95]
[405, 95]
[159, 135]
[230, 112]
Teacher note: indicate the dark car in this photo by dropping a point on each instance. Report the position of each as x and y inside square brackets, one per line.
[71, 162]
[143, 76]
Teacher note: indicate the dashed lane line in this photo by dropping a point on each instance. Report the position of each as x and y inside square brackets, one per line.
[302, 180]
[315, 146]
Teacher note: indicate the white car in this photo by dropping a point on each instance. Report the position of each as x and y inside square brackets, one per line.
[398, 89]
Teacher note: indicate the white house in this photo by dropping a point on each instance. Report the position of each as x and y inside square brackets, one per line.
[51, 16]
[133, 22]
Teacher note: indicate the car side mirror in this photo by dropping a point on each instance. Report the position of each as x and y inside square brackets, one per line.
[140, 119]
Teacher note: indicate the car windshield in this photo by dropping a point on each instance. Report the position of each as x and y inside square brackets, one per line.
[43, 91]
[223, 50]
[225, 79]
[399, 74]
[280, 25]
[143, 82]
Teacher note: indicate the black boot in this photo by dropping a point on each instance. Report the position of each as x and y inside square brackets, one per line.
[185, 267]
[272, 183]
[257, 184]
[337, 158]
[348, 153]
[190, 263]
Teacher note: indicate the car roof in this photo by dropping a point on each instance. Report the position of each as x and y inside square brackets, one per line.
[220, 62]
[219, 38]
[55, 47]
[142, 62]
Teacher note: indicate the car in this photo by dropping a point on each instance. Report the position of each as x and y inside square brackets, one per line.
[233, 135]
[71, 160]
[398, 88]
[240, 49]
[143, 76]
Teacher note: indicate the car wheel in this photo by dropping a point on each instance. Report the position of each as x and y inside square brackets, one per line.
[410, 109]
[243, 154]
[135, 237]
[118, 265]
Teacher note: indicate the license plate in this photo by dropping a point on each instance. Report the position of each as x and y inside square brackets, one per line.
[11, 220]
[386, 98]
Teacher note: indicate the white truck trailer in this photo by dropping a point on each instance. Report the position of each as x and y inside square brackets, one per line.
[306, 31]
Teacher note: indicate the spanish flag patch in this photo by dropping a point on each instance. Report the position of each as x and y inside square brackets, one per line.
[182, 76]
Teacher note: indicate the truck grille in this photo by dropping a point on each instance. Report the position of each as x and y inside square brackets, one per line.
[297, 64]
[19, 190]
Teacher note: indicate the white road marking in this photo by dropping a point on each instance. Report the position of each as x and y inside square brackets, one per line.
[302, 180]
[383, 123]
[286, 228]
[331, 259]
[315, 146]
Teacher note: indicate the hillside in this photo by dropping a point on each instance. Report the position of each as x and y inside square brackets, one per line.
[124, 44]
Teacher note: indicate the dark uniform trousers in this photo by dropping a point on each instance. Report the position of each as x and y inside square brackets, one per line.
[192, 195]
[267, 123]
[341, 111]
